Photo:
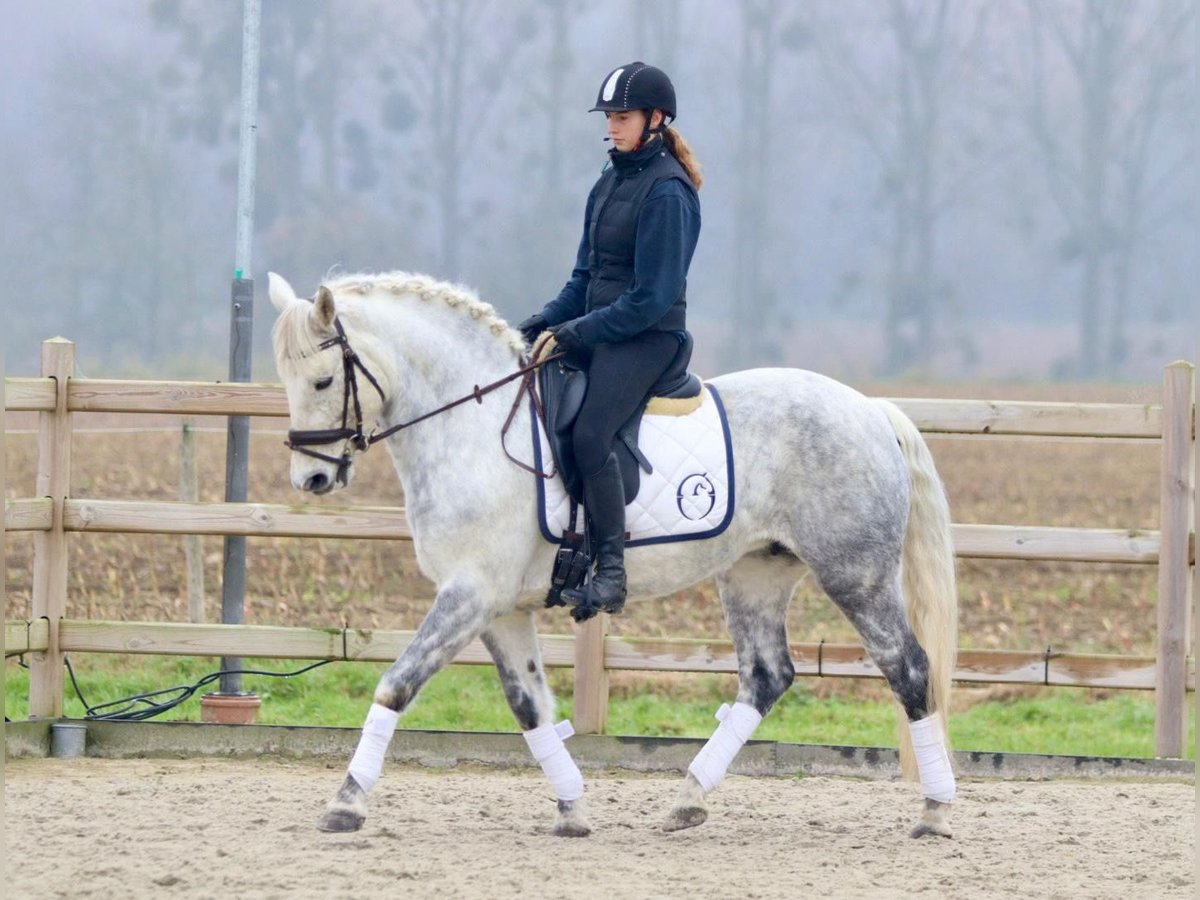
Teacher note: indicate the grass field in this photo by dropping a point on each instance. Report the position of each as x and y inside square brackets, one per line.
[374, 584]
[468, 698]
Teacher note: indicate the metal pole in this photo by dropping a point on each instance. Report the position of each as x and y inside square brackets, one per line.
[233, 584]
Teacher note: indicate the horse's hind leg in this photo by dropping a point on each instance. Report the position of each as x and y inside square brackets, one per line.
[512, 641]
[458, 615]
[876, 609]
[755, 594]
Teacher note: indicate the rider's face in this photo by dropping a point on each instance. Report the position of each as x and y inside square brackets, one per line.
[625, 127]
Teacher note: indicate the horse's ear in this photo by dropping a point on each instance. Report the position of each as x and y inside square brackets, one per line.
[323, 307]
[279, 291]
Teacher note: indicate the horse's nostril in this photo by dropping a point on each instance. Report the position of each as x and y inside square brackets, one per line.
[317, 482]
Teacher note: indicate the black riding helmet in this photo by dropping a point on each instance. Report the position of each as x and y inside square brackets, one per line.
[636, 85]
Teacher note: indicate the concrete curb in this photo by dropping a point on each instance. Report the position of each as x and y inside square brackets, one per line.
[443, 749]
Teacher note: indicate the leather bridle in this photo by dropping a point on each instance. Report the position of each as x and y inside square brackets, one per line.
[354, 438]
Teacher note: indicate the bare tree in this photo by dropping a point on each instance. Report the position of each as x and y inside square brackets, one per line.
[1100, 82]
[314, 71]
[124, 247]
[541, 216]
[903, 106]
[752, 301]
[462, 53]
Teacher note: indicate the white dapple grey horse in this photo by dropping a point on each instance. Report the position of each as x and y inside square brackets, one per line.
[826, 480]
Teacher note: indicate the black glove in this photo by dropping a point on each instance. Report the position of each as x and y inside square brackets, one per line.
[532, 327]
[568, 336]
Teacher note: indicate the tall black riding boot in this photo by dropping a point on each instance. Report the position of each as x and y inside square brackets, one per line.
[604, 496]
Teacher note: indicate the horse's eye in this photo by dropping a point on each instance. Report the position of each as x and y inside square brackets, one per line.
[321, 383]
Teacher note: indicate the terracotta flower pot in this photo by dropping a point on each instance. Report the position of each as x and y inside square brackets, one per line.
[230, 709]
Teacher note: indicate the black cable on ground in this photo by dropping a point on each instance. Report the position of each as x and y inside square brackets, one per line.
[146, 706]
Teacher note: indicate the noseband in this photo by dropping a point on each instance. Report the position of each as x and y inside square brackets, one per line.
[356, 439]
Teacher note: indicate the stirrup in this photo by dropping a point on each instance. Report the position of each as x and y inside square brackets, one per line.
[583, 604]
[587, 610]
[571, 563]
[570, 567]
[584, 612]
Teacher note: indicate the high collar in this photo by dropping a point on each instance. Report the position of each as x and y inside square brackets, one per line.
[630, 161]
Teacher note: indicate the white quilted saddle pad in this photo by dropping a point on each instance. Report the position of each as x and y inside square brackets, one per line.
[688, 496]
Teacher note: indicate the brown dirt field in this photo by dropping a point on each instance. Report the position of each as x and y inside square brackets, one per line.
[208, 828]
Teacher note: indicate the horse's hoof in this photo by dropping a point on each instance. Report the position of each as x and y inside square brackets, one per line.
[572, 829]
[935, 821]
[347, 810]
[340, 820]
[571, 820]
[682, 817]
[924, 829]
[689, 809]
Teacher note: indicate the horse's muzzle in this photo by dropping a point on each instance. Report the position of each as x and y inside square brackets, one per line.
[318, 482]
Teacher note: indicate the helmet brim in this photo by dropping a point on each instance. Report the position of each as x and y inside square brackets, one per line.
[614, 107]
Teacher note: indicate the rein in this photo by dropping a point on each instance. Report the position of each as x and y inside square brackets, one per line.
[356, 439]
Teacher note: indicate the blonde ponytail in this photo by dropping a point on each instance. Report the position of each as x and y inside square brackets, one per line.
[683, 152]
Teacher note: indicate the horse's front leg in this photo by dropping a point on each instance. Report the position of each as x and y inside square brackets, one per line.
[457, 616]
[512, 641]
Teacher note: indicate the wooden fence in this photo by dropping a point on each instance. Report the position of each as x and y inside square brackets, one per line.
[52, 514]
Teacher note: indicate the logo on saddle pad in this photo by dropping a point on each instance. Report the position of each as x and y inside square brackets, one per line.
[696, 496]
[689, 495]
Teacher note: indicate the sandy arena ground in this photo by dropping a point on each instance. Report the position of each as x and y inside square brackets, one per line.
[240, 829]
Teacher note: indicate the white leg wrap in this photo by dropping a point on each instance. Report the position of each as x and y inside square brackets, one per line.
[546, 744]
[367, 763]
[933, 762]
[737, 725]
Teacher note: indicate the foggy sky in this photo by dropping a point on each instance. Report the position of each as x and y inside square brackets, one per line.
[850, 207]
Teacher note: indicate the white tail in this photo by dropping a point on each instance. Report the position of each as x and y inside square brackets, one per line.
[928, 574]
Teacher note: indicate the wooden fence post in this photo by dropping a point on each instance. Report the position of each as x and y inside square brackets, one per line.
[50, 547]
[1174, 581]
[193, 546]
[591, 676]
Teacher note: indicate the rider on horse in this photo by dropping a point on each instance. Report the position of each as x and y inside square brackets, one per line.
[622, 314]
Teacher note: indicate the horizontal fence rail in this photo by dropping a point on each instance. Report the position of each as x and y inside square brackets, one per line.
[1023, 417]
[389, 523]
[26, 637]
[816, 659]
[1013, 418]
[50, 517]
[177, 517]
[30, 394]
[179, 397]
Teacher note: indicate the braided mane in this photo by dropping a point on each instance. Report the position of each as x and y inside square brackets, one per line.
[293, 340]
[427, 288]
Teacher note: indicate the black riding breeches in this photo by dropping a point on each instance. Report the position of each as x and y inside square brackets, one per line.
[619, 378]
